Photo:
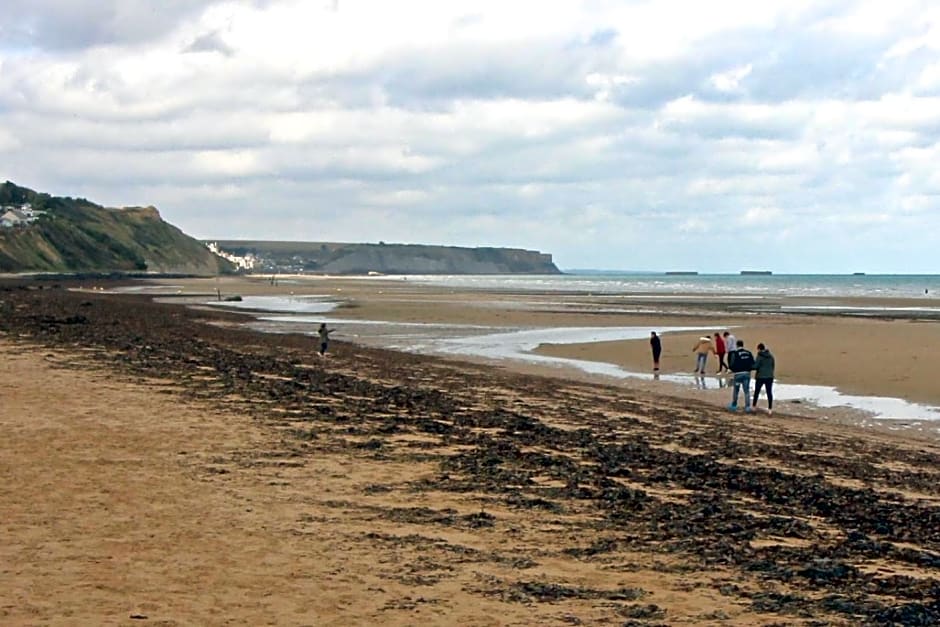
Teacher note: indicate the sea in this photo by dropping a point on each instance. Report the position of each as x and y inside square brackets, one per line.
[659, 283]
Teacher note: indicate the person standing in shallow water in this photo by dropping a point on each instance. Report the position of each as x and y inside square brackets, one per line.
[701, 350]
[324, 335]
[764, 376]
[656, 346]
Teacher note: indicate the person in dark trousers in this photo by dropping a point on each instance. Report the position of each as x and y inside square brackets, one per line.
[720, 350]
[324, 334]
[657, 347]
[742, 362]
[764, 376]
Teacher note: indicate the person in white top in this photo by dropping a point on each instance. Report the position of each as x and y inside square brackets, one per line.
[731, 344]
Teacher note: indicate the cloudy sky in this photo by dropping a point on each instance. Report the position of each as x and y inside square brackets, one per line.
[782, 134]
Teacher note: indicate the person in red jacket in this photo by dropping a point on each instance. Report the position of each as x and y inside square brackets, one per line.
[720, 350]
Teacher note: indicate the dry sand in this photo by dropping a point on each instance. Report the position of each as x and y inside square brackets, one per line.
[122, 503]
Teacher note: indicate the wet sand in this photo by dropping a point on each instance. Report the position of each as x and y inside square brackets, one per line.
[870, 356]
[165, 463]
[893, 358]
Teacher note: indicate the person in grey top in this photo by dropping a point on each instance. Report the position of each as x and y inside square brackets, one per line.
[764, 376]
[324, 335]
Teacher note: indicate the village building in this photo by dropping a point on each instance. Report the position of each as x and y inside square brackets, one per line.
[22, 215]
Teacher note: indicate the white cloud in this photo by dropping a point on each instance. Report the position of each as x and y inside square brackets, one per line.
[762, 216]
[730, 81]
[594, 125]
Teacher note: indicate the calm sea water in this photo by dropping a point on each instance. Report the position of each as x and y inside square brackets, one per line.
[874, 285]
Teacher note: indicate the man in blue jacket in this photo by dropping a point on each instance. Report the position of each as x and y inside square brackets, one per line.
[741, 362]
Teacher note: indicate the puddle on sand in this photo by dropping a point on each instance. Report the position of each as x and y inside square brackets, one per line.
[518, 346]
[281, 304]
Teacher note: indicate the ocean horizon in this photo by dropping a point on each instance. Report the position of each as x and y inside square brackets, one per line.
[660, 283]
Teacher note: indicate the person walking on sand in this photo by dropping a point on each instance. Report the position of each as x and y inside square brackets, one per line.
[764, 376]
[324, 334]
[720, 350]
[731, 344]
[701, 350]
[742, 362]
[657, 347]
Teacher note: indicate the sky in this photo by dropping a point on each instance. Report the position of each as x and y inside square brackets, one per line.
[716, 136]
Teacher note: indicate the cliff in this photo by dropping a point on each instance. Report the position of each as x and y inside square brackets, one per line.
[340, 258]
[75, 235]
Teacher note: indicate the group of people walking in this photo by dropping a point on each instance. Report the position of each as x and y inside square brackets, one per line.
[734, 358]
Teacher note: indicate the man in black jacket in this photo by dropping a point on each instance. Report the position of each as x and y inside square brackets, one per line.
[741, 362]
[657, 347]
[764, 376]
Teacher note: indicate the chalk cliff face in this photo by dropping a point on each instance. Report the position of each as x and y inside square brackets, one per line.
[336, 258]
[75, 235]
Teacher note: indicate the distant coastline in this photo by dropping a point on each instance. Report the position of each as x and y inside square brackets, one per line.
[301, 257]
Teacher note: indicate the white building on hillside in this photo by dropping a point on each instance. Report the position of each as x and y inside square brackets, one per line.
[22, 215]
[245, 263]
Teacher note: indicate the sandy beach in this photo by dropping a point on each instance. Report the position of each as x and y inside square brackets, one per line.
[164, 465]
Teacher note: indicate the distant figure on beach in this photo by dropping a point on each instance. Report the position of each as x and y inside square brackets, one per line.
[731, 343]
[657, 347]
[701, 350]
[720, 350]
[764, 376]
[324, 334]
[742, 362]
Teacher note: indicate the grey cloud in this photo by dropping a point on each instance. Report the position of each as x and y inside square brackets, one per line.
[528, 70]
[787, 62]
[603, 37]
[719, 124]
[210, 42]
[425, 79]
[66, 25]
[197, 132]
[813, 65]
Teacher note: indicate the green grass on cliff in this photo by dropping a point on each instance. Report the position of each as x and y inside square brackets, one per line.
[75, 235]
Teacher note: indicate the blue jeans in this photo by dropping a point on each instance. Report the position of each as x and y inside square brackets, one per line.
[742, 380]
[700, 362]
